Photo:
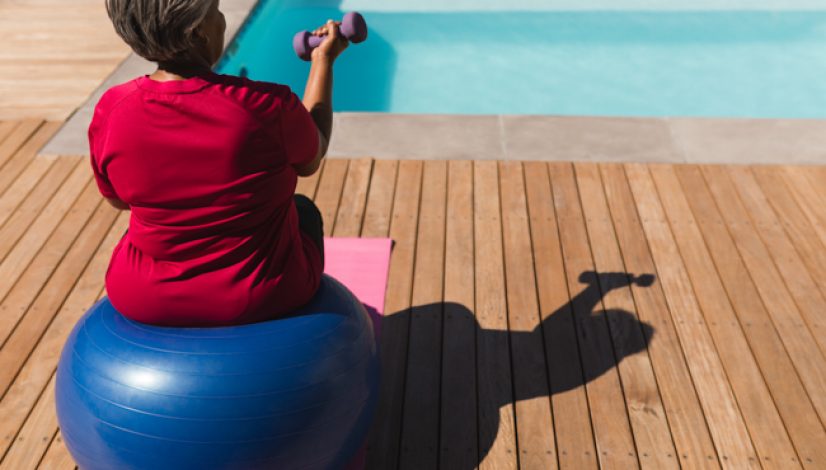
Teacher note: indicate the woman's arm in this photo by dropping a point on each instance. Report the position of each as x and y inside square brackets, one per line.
[318, 94]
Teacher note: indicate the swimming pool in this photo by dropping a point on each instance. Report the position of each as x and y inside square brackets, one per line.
[638, 58]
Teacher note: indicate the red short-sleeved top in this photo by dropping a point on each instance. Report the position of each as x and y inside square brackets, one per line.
[206, 166]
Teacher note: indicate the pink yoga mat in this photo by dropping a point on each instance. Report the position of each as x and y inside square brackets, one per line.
[361, 264]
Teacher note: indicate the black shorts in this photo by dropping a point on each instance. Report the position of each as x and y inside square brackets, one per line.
[310, 222]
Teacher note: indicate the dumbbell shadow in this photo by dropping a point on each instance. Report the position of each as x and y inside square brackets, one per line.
[575, 344]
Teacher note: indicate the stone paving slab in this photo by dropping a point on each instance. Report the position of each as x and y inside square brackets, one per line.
[577, 138]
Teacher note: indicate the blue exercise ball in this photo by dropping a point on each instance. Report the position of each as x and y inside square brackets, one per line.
[294, 392]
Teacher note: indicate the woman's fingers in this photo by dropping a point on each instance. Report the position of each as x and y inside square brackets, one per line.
[325, 30]
[332, 30]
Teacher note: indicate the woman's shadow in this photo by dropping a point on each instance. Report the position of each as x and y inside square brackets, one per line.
[572, 354]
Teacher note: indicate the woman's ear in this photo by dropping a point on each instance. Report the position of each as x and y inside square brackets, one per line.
[203, 38]
[202, 47]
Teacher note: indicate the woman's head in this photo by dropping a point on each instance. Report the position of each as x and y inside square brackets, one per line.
[171, 32]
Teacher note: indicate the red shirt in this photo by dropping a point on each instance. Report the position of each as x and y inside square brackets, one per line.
[205, 165]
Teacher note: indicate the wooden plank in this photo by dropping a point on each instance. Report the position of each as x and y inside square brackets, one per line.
[57, 456]
[33, 110]
[32, 280]
[534, 422]
[21, 187]
[795, 223]
[38, 317]
[10, 145]
[6, 127]
[307, 185]
[380, 198]
[458, 433]
[497, 429]
[383, 447]
[645, 409]
[780, 318]
[612, 430]
[78, 74]
[14, 221]
[572, 421]
[328, 195]
[735, 314]
[36, 434]
[18, 162]
[682, 407]
[725, 423]
[817, 178]
[420, 414]
[15, 257]
[803, 288]
[353, 198]
[41, 364]
[811, 202]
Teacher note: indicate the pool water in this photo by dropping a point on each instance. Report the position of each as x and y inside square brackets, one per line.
[713, 62]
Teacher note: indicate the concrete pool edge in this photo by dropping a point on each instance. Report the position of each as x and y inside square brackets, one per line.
[578, 138]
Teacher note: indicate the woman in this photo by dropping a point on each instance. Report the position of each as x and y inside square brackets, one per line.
[208, 166]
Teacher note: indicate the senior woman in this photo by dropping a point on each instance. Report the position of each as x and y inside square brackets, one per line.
[208, 165]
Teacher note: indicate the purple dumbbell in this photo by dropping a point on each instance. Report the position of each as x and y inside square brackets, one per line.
[353, 28]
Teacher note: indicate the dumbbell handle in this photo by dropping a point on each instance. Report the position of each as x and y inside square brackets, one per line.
[315, 41]
[353, 28]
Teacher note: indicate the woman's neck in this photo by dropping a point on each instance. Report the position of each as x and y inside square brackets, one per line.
[168, 72]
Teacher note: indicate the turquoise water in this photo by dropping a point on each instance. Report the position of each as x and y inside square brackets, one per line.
[562, 62]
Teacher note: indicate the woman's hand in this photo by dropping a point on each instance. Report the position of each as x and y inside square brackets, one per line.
[333, 44]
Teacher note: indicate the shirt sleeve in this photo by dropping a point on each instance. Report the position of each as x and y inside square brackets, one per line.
[299, 133]
[281, 113]
[103, 183]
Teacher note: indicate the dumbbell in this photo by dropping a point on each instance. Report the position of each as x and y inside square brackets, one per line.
[353, 28]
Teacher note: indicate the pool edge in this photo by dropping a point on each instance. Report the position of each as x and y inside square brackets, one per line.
[580, 138]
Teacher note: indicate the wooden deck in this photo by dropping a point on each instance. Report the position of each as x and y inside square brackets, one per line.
[540, 315]
[55, 53]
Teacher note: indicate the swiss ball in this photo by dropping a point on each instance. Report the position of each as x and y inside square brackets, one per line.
[294, 392]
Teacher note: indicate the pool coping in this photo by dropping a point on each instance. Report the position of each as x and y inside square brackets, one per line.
[518, 137]
[577, 138]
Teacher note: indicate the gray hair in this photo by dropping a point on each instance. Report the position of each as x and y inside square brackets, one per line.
[159, 30]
